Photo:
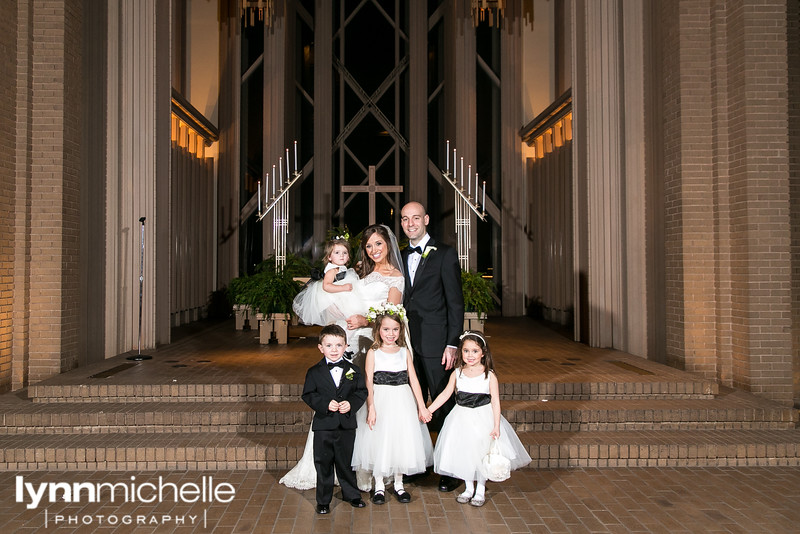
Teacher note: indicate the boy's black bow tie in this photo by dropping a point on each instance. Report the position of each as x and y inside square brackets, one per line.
[418, 250]
[340, 363]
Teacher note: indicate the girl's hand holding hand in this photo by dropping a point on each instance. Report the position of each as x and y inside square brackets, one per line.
[424, 415]
[344, 407]
[371, 417]
[333, 406]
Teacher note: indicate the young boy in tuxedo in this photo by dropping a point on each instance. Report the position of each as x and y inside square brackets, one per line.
[335, 390]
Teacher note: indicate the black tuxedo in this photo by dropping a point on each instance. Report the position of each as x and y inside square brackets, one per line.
[435, 307]
[334, 432]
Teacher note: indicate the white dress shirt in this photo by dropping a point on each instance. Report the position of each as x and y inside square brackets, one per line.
[336, 372]
[414, 258]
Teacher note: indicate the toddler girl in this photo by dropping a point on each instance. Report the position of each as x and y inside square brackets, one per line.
[474, 421]
[391, 440]
[332, 299]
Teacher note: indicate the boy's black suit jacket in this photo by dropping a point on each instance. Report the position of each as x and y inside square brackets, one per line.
[434, 303]
[319, 389]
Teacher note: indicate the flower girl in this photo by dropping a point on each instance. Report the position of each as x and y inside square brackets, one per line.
[391, 440]
[469, 428]
[334, 298]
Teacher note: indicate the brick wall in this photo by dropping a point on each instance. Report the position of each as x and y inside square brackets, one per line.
[726, 171]
[759, 196]
[720, 170]
[8, 92]
[54, 222]
[673, 242]
[793, 46]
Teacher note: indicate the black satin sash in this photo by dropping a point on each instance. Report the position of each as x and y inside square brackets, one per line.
[390, 378]
[472, 400]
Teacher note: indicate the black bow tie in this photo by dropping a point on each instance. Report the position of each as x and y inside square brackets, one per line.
[412, 250]
[340, 363]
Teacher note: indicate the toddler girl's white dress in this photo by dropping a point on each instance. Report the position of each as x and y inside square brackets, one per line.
[314, 305]
[398, 442]
[464, 439]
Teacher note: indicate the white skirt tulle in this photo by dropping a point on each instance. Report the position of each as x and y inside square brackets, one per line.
[464, 441]
[303, 476]
[314, 305]
[398, 443]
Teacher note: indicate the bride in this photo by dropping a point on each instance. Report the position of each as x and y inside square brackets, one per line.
[381, 272]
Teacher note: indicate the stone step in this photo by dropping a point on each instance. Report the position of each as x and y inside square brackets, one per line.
[115, 393]
[203, 451]
[695, 448]
[156, 417]
[732, 410]
[138, 393]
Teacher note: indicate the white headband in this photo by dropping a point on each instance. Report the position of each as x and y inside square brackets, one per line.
[470, 333]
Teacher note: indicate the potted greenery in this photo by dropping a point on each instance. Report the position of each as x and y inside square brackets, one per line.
[478, 301]
[276, 292]
[242, 295]
[267, 297]
[298, 267]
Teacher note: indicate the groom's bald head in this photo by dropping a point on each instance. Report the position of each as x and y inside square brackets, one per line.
[414, 221]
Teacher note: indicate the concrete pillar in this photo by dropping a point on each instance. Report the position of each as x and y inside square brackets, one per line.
[138, 170]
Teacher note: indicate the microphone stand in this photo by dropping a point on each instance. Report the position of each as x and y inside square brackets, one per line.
[139, 356]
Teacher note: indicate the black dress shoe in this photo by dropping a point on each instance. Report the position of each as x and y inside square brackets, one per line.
[403, 496]
[358, 502]
[448, 483]
[323, 509]
[378, 498]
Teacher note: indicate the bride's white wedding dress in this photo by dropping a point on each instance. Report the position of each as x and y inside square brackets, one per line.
[374, 291]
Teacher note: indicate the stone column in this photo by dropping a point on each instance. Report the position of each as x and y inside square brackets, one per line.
[138, 174]
[612, 174]
[637, 180]
[323, 119]
[598, 107]
[513, 190]
[227, 216]
[417, 188]
[277, 99]
[460, 116]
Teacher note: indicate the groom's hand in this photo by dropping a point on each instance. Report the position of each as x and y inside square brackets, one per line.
[449, 357]
[356, 321]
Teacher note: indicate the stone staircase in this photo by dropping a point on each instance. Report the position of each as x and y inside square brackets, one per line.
[623, 413]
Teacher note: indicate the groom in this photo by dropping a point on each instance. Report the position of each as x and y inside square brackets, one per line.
[435, 307]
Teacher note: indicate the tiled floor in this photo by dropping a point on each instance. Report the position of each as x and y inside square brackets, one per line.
[687, 500]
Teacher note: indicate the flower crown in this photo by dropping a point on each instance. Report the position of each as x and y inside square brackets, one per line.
[387, 308]
[344, 237]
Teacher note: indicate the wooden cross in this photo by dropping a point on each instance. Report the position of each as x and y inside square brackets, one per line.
[372, 188]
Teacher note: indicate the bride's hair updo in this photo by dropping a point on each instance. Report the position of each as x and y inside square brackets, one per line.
[367, 265]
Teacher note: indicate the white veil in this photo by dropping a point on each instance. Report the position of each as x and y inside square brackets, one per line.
[394, 252]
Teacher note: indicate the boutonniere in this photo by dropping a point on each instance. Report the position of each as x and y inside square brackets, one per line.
[427, 251]
[350, 374]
